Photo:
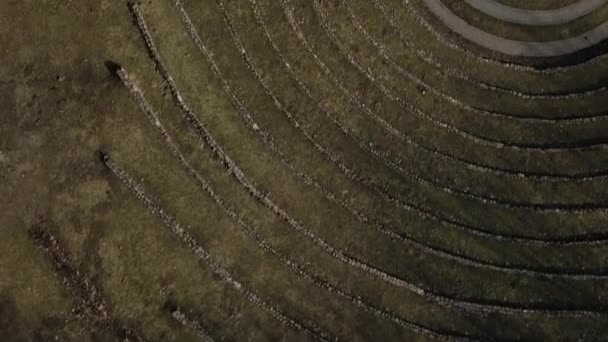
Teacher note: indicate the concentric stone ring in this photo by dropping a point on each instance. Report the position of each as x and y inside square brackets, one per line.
[303, 170]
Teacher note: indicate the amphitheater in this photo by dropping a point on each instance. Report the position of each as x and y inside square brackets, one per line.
[261, 170]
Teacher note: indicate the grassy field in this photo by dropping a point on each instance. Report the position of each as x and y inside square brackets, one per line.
[291, 170]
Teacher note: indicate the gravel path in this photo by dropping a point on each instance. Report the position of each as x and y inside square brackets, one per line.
[515, 47]
[522, 16]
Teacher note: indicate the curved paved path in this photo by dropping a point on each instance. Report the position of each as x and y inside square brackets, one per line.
[515, 47]
[536, 17]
